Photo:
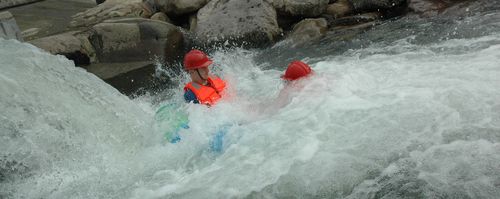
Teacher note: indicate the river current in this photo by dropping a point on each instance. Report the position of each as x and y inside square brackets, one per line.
[407, 109]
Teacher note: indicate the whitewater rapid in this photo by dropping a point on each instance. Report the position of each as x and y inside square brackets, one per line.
[398, 120]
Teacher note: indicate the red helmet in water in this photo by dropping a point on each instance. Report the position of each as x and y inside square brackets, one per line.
[296, 70]
[195, 59]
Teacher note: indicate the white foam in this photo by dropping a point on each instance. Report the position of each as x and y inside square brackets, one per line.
[381, 120]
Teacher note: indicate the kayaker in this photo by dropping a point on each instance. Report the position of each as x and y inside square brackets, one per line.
[204, 88]
[296, 70]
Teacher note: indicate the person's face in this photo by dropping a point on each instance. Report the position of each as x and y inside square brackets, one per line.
[199, 75]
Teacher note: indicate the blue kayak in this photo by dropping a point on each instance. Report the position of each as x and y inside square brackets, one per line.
[171, 120]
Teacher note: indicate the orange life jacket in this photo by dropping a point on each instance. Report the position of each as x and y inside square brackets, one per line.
[209, 94]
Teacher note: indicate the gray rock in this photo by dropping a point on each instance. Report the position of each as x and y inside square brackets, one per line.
[110, 70]
[249, 22]
[30, 32]
[176, 7]
[50, 17]
[187, 6]
[61, 43]
[69, 44]
[308, 29]
[458, 8]
[428, 8]
[11, 3]
[8, 27]
[193, 20]
[122, 52]
[355, 20]
[375, 5]
[307, 8]
[136, 39]
[109, 10]
[339, 9]
[133, 40]
[160, 16]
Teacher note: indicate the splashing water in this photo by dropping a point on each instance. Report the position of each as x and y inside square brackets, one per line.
[398, 120]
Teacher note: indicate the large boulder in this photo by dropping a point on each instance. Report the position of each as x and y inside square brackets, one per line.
[125, 43]
[136, 39]
[10, 3]
[74, 45]
[303, 8]
[122, 52]
[8, 27]
[249, 22]
[111, 9]
[307, 30]
[176, 7]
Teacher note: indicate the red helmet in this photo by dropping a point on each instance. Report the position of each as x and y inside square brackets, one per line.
[195, 59]
[296, 70]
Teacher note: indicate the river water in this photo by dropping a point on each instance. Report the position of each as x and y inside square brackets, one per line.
[407, 109]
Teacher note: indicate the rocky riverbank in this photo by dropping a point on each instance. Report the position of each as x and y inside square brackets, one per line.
[11, 3]
[120, 40]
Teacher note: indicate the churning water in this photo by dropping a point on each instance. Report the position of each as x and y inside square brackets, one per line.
[391, 119]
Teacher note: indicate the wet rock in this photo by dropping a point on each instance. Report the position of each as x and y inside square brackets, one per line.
[8, 27]
[355, 20]
[137, 81]
[160, 16]
[30, 32]
[176, 7]
[286, 22]
[460, 9]
[74, 45]
[136, 39]
[11, 3]
[361, 6]
[111, 9]
[61, 43]
[305, 8]
[249, 22]
[122, 52]
[339, 9]
[46, 18]
[193, 20]
[308, 29]
[429, 8]
[426, 7]
[132, 43]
